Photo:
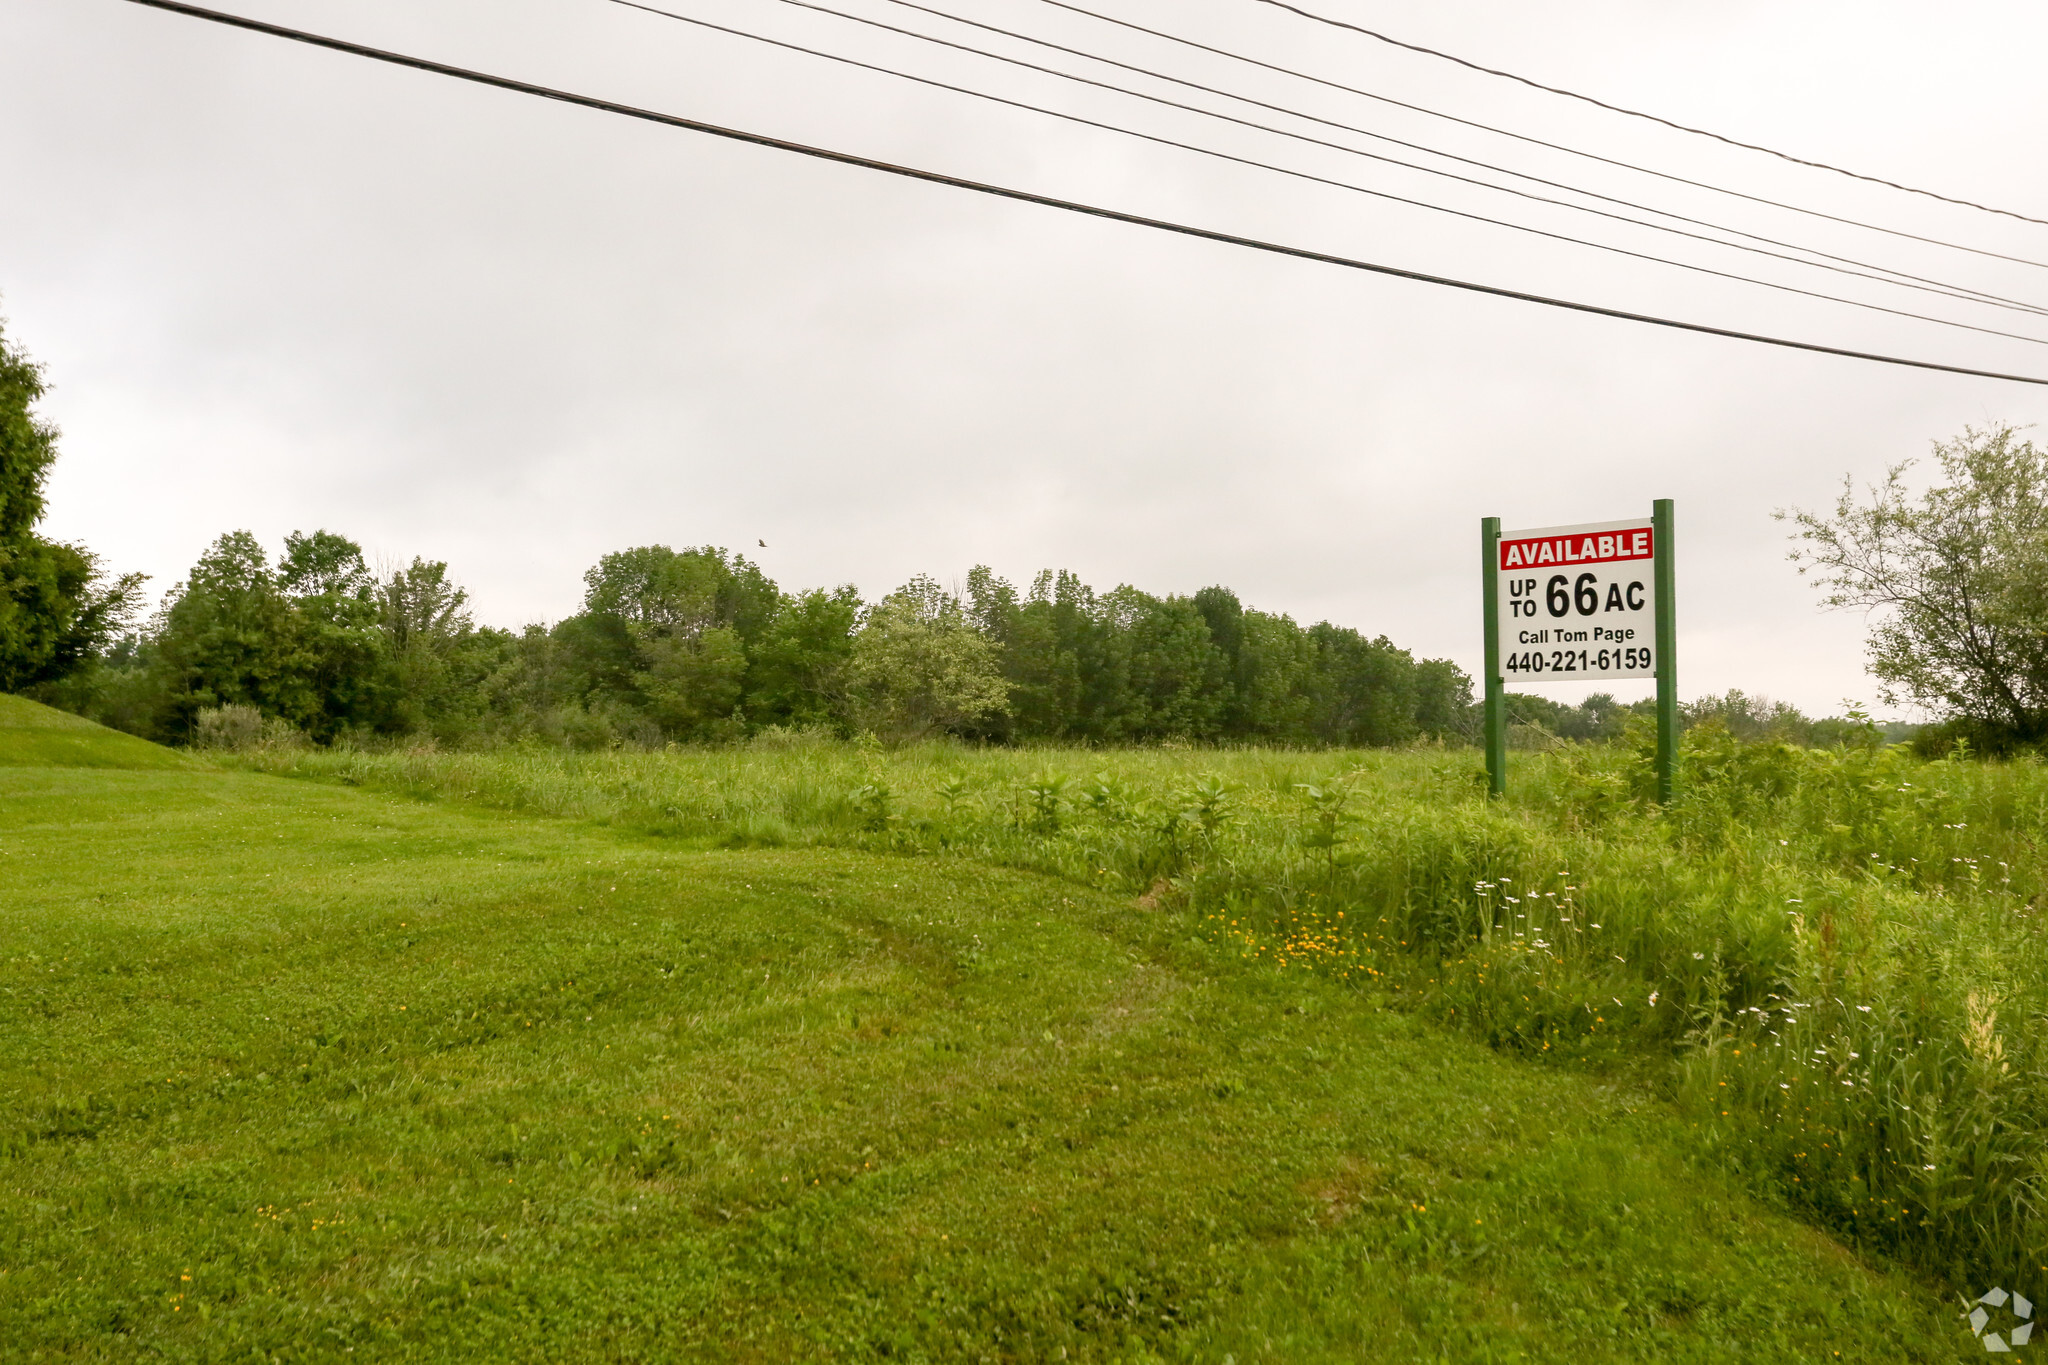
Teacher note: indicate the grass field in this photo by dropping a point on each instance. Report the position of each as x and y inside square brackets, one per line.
[302, 1070]
[1832, 961]
[33, 735]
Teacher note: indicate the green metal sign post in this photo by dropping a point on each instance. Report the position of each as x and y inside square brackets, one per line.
[1667, 652]
[1575, 604]
[1496, 704]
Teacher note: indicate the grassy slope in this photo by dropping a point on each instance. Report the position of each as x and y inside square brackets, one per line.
[438, 1083]
[34, 734]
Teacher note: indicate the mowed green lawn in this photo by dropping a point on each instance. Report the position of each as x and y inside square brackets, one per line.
[296, 1072]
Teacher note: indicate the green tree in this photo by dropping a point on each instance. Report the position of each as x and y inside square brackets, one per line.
[1174, 680]
[419, 606]
[1053, 658]
[666, 633]
[227, 636]
[657, 590]
[442, 665]
[692, 685]
[1443, 698]
[301, 641]
[1958, 575]
[1127, 666]
[341, 652]
[1365, 690]
[1742, 715]
[797, 670]
[1274, 693]
[58, 609]
[1225, 617]
[918, 667]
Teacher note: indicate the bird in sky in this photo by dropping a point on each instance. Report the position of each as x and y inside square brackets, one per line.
[762, 543]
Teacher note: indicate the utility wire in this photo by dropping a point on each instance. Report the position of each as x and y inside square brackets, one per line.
[1322, 179]
[1918, 282]
[1637, 113]
[1940, 286]
[1537, 141]
[1043, 200]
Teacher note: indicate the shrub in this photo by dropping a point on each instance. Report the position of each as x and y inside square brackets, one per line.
[244, 729]
[234, 728]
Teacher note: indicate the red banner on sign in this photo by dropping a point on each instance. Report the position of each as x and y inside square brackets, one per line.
[1580, 547]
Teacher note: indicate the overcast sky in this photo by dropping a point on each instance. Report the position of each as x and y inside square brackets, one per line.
[281, 288]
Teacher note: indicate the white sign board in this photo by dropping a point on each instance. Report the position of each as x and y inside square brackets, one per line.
[1578, 602]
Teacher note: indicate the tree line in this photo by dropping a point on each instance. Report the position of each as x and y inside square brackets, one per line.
[699, 645]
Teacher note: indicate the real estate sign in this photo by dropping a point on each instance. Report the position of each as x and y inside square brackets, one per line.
[1578, 602]
[1581, 604]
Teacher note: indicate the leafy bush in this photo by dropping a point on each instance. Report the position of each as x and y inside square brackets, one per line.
[244, 729]
[227, 727]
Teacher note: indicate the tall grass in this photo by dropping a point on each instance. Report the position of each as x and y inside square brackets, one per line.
[1833, 958]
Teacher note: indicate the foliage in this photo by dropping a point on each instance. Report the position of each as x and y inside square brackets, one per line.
[1794, 906]
[228, 727]
[797, 668]
[58, 609]
[1598, 718]
[1960, 575]
[243, 729]
[305, 1073]
[698, 645]
[440, 662]
[918, 668]
[1129, 667]
[302, 642]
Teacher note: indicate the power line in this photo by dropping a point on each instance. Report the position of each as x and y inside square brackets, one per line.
[1939, 285]
[1312, 178]
[1637, 113]
[1921, 283]
[1045, 201]
[1539, 142]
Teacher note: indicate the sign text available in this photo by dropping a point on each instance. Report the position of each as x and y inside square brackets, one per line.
[1578, 602]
